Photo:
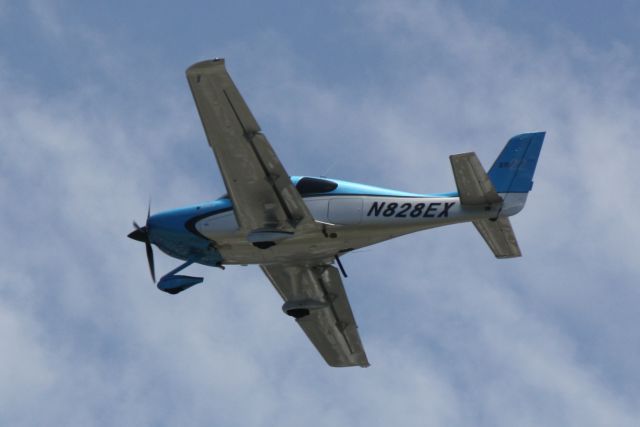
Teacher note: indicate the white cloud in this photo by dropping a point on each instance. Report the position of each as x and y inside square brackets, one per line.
[25, 371]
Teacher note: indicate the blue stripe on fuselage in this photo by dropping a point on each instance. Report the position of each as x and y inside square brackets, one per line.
[177, 220]
[346, 188]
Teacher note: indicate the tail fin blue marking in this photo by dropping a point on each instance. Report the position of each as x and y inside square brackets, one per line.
[513, 170]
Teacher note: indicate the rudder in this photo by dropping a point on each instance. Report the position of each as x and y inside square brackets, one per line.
[513, 170]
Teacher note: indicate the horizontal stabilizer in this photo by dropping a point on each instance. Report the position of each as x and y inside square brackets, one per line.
[499, 236]
[474, 186]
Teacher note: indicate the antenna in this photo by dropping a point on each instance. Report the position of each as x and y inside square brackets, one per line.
[331, 166]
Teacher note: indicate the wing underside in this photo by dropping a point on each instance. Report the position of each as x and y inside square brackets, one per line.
[260, 188]
[329, 324]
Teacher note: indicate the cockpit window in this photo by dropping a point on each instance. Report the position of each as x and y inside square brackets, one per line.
[224, 196]
[315, 185]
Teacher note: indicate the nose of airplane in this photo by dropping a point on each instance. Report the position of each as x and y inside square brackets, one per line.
[172, 221]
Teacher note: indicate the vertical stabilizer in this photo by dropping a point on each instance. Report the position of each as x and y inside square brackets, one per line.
[513, 170]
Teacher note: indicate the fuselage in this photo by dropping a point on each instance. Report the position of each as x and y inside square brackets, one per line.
[352, 216]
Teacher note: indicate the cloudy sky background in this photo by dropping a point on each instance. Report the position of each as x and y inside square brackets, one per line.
[96, 117]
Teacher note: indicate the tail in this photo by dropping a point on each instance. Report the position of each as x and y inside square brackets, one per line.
[508, 183]
[513, 170]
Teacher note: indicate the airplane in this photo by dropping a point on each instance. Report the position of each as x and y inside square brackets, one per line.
[297, 228]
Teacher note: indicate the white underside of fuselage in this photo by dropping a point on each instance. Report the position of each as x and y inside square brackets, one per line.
[349, 223]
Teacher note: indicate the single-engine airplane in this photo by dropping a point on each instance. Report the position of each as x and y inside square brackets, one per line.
[296, 228]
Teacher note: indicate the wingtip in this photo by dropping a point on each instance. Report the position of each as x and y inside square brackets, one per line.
[205, 65]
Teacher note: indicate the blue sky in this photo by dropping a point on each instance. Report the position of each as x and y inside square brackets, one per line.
[96, 117]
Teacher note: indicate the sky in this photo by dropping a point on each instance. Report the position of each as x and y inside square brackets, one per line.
[96, 119]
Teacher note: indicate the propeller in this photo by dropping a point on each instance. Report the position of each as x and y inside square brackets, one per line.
[141, 234]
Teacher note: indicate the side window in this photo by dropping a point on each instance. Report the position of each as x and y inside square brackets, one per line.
[315, 185]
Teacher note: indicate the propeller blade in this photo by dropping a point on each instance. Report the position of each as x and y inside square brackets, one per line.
[147, 244]
[141, 234]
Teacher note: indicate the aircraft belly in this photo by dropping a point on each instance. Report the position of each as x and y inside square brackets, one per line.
[288, 251]
[309, 249]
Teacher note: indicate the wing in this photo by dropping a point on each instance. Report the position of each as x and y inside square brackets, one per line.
[262, 193]
[329, 323]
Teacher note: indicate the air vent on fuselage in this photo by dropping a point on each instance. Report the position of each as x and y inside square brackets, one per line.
[308, 185]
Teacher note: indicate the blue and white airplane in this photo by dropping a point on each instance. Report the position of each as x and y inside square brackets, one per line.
[296, 228]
